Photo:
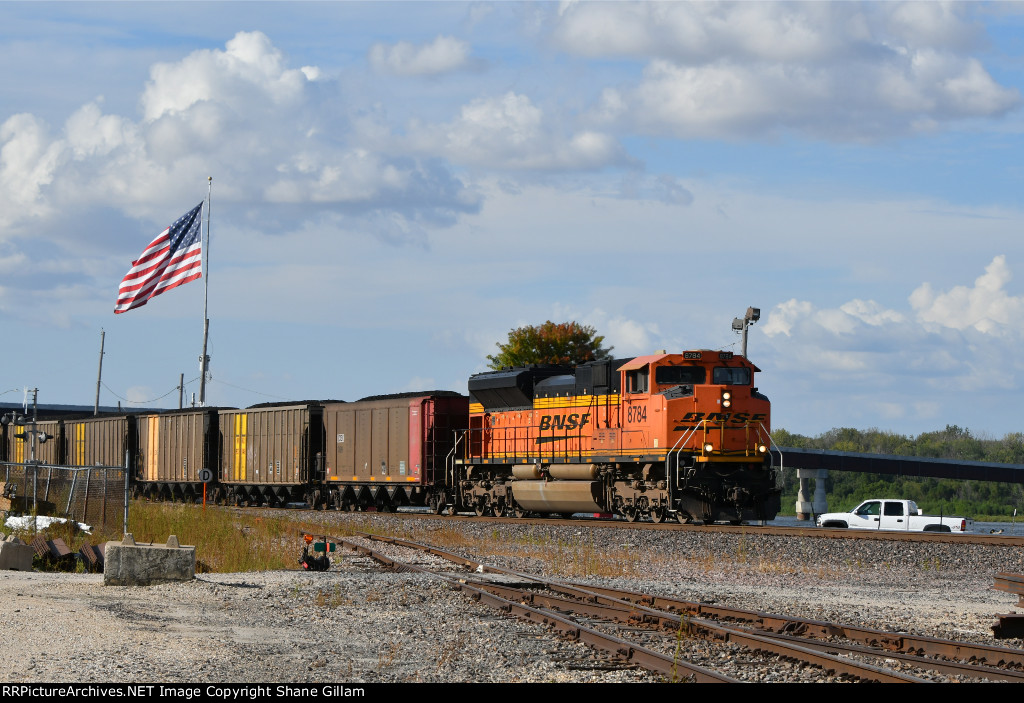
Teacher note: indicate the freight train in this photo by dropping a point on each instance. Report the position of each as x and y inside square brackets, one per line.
[665, 436]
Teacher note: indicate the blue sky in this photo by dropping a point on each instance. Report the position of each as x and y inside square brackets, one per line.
[397, 185]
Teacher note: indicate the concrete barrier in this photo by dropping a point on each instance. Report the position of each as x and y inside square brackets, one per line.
[126, 563]
[15, 555]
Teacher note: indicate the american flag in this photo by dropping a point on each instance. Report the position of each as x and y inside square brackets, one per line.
[173, 258]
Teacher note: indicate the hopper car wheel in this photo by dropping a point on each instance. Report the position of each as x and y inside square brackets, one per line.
[518, 511]
[683, 518]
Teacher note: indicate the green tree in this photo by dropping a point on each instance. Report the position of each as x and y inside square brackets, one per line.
[550, 343]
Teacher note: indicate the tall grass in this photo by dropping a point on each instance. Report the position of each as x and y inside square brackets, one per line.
[226, 540]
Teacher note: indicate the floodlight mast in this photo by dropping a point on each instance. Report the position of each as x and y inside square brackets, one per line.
[740, 325]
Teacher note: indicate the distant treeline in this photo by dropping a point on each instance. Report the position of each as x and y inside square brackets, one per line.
[977, 499]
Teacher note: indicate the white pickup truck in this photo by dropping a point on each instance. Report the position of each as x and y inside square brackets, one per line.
[890, 514]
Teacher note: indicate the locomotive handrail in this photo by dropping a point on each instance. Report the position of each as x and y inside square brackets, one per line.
[668, 476]
[771, 443]
[682, 440]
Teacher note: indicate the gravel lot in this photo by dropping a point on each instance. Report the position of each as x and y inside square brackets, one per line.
[359, 623]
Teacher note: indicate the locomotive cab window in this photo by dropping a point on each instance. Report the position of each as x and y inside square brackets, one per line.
[638, 381]
[731, 376]
[676, 375]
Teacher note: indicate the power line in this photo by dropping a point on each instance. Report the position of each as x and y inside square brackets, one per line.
[249, 390]
[142, 402]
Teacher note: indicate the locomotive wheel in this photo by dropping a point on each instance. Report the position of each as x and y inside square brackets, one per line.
[480, 509]
[657, 515]
[683, 518]
[630, 513]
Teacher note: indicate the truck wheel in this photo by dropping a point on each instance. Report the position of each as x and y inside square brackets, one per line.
[841, 525]
[937, 528]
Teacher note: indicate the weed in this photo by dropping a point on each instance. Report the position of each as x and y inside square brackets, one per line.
[450, 651]
[387, 653]
[332, 598]
[226, 540]
[682, 634]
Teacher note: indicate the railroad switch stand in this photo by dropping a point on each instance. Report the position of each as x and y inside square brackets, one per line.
[314, 553]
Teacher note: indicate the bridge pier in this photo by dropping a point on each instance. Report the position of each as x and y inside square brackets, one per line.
[806, 509]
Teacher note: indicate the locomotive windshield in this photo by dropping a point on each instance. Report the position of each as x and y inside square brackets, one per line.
[680, 374]
[731, 376]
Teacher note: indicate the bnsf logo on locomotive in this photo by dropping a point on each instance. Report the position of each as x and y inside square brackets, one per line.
[571, 421]
[738, 418]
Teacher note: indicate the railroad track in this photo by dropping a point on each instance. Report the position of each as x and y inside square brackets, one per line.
[685, 640]
[814, 532]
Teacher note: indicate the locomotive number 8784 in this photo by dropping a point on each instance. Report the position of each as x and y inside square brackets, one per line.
[681, 436]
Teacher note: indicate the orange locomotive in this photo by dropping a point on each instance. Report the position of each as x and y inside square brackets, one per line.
[681, 436]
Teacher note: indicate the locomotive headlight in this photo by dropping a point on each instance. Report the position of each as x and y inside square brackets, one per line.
[726, 399]
[761, 448]
[708, 447]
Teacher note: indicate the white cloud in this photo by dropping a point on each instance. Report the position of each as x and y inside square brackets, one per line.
[839, 71]
[785, 316]
[629, 337]
[249, 68]
[29, 159]
[870, 312]
[510, 132]
[443, 55]
[863, 359]
[239, 114]
[986, 307]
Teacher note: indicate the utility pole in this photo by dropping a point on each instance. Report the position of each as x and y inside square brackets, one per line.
[204, 359]
[99, 375]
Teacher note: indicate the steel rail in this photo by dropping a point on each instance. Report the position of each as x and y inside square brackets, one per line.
[705, 628]
[955, 668]
[890, 641]
[895, 642]
[1011, 583]
[807, 651]
[774, 530]
[630, 652]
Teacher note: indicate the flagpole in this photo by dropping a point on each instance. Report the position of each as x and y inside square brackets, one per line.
[204, 360]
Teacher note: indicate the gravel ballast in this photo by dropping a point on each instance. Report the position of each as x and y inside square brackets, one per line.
[361, 623]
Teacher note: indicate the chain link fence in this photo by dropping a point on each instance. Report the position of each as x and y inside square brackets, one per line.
[94, 495]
